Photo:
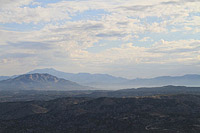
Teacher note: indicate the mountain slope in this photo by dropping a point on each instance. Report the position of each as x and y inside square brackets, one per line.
[107, 81]
[186, 80]
[4, 77]
[39, 82]
[82, 78]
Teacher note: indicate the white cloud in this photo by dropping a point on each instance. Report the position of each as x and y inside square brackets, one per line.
[9, 4]
[145, 39]
[123, 21]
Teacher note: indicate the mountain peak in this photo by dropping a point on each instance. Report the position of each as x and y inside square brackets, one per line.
[37, 77]
[39, 81]
[44, 70]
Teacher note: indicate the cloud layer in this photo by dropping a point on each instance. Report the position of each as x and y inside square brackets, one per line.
[125, 38]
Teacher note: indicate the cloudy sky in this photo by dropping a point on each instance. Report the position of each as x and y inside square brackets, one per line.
[128, 38]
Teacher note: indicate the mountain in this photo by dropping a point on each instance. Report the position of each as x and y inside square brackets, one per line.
[105, 81]
[39, 82]
[158, 114]
[94, 80]
[4, 77]
[7, 77]
[186, 80]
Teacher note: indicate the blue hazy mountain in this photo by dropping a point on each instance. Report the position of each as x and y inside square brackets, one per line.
[4, 77]
[186, 80]
[105, 81]
[7, 77]
[111, 82]
[38, 81]
[95, 80]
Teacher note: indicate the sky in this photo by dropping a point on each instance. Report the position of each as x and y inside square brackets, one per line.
[132, 38]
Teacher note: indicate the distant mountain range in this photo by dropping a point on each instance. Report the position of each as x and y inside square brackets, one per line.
[39, 82]
[82, 78]
[186, 80]
[105, 81]
[4, 77]
[110, 82]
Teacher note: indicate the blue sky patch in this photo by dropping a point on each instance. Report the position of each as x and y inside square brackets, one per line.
[22, 27]
[89, 15]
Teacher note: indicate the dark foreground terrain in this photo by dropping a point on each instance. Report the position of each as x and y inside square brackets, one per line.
[41, 95]
[163, 113]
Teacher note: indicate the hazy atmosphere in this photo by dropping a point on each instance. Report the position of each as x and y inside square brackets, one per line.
[99, 66]
[132, 38]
